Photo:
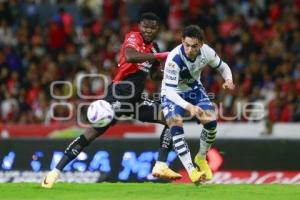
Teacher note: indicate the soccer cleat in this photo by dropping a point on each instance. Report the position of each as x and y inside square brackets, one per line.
[50, 179]
[161, 170]
[197, 176]
[203, 166]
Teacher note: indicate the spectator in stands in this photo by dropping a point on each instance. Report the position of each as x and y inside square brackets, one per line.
[45, 41]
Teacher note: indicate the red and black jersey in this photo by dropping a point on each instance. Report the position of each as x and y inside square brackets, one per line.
[135, 73]
[132, 40]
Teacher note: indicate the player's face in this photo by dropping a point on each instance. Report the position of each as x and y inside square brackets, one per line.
[191, 46]
[149, 29]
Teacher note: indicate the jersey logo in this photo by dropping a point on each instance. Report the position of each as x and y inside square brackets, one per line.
[131, 39]
[145, 66]
[171, 71]
[169, 77]
[187, 81]
[171, 65]
[184, 68]
[203, 61]
[116, 105]
[153, 50]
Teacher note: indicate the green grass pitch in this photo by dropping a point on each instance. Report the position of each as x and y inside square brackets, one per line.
[151, 191]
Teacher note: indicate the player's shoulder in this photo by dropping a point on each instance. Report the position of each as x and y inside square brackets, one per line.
[174, 55]
[133, 36]
[176, 50]
[207, 50]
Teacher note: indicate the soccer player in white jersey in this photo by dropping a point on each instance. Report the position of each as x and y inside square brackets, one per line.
[182, 91]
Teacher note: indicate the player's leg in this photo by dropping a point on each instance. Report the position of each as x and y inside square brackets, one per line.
[72, 151]
[173, 115]
[207, 138]
[208, 133]
[165, 144]
[148, 111]
[79, 143]
[161, 169]
[75, 147]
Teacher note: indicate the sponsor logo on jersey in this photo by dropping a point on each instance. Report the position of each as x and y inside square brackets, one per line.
[203, 61]
[184, 68]
[116, 105]
[145, 66]
[153, 50]
[170, 64]
[186, 81]
[170, 77]
[131, 39]
[171, 71]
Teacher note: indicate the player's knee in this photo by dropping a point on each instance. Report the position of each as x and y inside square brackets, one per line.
[211, 125]
[207, 116]
[175, 121]
[94, 132]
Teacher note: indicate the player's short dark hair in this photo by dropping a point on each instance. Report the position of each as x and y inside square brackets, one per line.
[149, 16]
[193, 31]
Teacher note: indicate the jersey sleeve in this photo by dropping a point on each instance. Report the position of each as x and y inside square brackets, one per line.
[213, 59]
[215, 62]
[132, 41]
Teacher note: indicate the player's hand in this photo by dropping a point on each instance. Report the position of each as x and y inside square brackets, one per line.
[228, 85]
[194, 110]
[161, 55]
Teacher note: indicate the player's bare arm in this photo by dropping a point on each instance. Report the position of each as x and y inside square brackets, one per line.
[133, 56]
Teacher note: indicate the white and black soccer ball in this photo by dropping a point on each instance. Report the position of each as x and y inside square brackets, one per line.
[100, 113]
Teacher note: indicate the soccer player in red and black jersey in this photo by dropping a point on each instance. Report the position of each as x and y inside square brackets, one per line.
[138, 56]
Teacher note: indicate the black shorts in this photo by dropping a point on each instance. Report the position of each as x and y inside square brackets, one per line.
[132, 106]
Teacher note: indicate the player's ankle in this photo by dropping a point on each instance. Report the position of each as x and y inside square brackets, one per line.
[56, 170]
[160, 163]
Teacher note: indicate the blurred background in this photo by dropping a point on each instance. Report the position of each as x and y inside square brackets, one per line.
[50, 48]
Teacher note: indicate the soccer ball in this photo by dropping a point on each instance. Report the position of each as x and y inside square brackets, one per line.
[100, 113]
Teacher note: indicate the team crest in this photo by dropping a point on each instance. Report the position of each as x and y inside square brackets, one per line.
[202, 61]
[171, 65]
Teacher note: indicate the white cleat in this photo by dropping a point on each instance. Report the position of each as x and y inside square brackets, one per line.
[50, 179]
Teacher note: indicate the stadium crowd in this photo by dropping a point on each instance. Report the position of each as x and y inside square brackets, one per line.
[44, 41]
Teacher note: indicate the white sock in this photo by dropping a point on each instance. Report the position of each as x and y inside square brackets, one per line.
[160, 163]
[186, 160]
[56, 170]
[207, 138]
[183, 152]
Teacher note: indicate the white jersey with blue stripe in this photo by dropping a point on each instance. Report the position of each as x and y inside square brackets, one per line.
[182, 74]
